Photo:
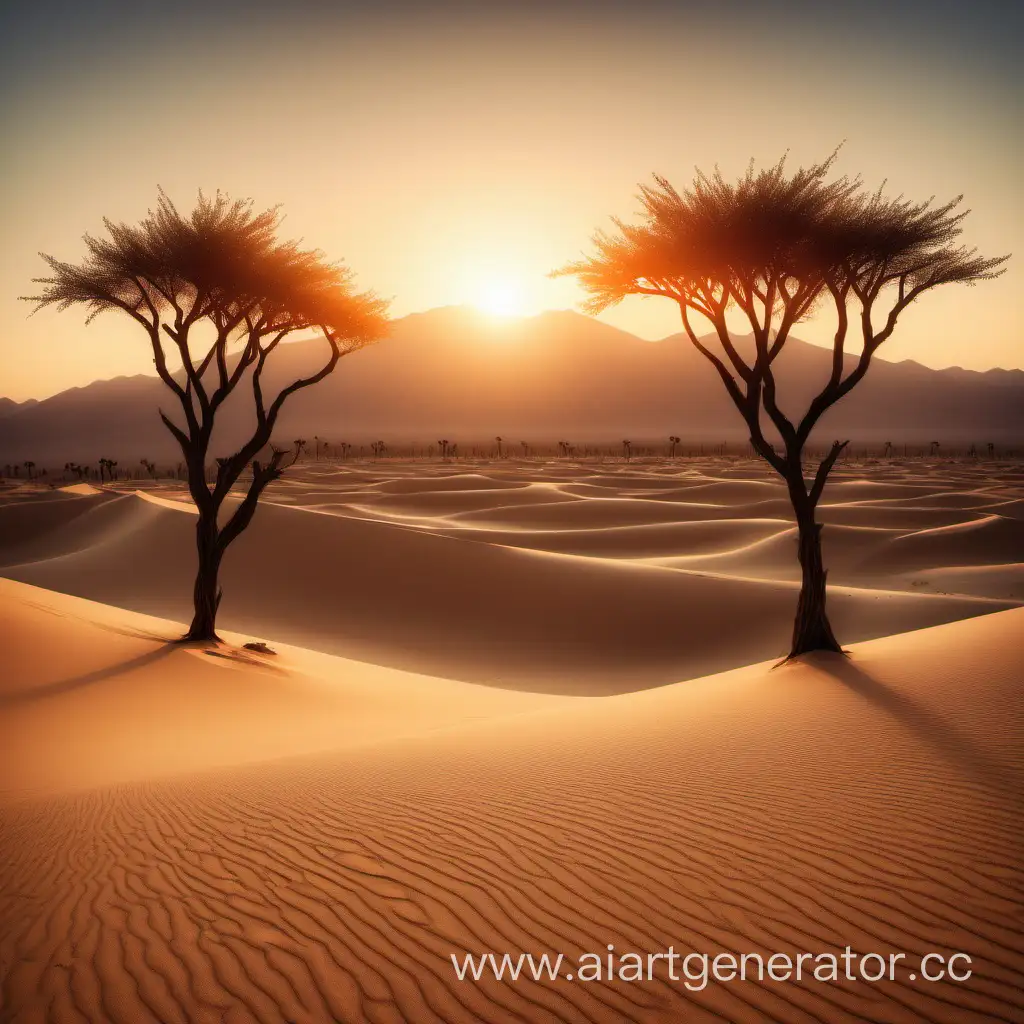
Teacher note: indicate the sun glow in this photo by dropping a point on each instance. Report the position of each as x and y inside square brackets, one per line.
[501, 297]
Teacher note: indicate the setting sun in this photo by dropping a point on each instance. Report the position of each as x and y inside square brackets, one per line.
[501, 297]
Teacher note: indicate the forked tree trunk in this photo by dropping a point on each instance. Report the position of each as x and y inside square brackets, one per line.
[206, 593]
[811, 630]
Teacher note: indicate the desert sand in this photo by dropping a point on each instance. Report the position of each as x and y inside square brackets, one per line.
[513, 707]
[547, 575]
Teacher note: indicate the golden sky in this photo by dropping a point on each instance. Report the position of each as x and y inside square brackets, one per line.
[458, 159]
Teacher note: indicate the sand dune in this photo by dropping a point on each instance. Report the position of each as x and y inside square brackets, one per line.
[114, 699]
[891, 517]
[1003, 581]
[433, 602]
[845, 549]
[452, 482]
[698, 537]
[605, 512]
[419, 503]
[172, 867]
[726, 492]
[983, 541]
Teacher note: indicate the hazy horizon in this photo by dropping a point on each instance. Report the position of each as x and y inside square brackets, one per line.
[456, 156]
[498, 324]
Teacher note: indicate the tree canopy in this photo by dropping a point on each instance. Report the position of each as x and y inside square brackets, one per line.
[221, 265]
[774, 245]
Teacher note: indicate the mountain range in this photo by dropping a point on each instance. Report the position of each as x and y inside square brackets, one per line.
[459, 374]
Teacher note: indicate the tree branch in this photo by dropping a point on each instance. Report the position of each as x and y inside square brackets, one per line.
[748, 405]
[821, 476]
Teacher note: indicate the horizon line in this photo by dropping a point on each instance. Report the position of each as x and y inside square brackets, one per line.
[517, 318]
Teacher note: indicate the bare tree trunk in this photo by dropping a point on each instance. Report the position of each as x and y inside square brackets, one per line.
[811, 630]
[206, 594]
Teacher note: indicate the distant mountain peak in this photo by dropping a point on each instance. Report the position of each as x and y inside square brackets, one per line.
[457, 372]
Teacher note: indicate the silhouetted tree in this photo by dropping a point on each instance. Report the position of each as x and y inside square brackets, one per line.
[526, 448]
[933, 448]
[218, 273]
[627, 449]
[498, 439]
[672, 442]
[29, 465]
[108, 465]
[991, 450]
[887, 451]
[773, 246]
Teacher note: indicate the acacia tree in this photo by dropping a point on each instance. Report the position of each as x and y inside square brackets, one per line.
[217, 291]
[772, 247]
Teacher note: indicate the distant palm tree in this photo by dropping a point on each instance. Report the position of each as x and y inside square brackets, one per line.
[29, 465]
[627, 449]
[316, 447]
[887, 451]
[933, 448]
[526, 449]
[443, 445]
[498, 439]
[673, 441]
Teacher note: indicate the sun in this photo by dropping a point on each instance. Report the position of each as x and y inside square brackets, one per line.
[502, 297]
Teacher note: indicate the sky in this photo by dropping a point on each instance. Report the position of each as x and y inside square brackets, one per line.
[455, 153]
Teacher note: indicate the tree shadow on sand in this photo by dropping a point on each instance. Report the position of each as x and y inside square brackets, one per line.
[86, 679]
[954, 746]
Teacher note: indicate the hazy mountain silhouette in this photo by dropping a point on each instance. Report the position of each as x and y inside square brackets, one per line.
[8, 407]
[456, 373]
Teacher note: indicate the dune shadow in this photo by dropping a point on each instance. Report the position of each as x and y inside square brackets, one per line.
[932, 729]
[86, 679]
